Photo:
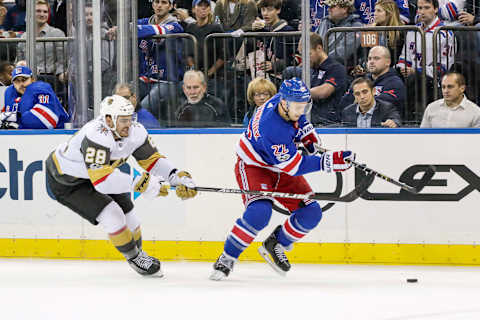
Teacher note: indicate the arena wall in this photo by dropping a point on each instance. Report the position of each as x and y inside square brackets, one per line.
[438, 226]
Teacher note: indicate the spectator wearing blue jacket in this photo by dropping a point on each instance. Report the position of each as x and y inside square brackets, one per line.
[31, 104]
[388, 85]
[143, 116]
[15, 19]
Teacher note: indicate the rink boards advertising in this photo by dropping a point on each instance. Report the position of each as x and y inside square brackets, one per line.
[386, 225]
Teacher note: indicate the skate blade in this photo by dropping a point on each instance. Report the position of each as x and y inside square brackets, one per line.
[158, 274]
[217, 275]
[266, 256]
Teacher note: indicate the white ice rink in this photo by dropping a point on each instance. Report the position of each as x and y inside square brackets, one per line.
[73, 289]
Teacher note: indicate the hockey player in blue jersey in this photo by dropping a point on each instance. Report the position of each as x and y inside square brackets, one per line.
[31, 104]
[268, 159]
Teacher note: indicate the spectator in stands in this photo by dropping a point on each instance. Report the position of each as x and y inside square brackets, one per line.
[144, 8]
[6, 69]
[3, 12]
[366, 10]
[291, 12]
[236, 15]
[107, 46]
[272, 54]
[388, 85]
[161, 61]
[187, 5]
[454, 110]
[411, 56]
[15, 19]
[31, 104]
[367, 111]
[318, 11]
[143, 116]
[387, 15]
[59, 17]
[259, 91]
[467, 56]
[341, 46]
[201, 27]
[200, 109]
[50, 55]
[328, 83]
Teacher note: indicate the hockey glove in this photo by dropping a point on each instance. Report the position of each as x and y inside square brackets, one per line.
[184, 184]
[8, 120]
[336, 161]
[309, 137]
[150, 186]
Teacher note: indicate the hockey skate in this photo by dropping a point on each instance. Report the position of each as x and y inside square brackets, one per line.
[274, 253]
[222, 267]
[146, 265]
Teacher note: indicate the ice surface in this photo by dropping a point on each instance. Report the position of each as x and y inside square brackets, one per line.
[74, 289]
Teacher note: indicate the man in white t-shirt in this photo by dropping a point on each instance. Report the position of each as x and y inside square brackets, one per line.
[454, 110]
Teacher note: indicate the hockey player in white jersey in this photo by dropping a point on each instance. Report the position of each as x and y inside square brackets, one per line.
[84, 175]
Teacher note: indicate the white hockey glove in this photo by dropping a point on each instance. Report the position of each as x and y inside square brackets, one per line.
[150, 186]
[8, 120]
[336, 161]
[184, 184]
[309, 138]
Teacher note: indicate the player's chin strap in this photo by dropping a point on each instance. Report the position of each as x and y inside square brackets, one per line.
[286, 110]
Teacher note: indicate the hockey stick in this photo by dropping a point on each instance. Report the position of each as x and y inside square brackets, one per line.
[349, 197]
[421, 184]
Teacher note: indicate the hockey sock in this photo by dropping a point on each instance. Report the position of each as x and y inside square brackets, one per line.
[137, 237]
[299, 224]
[255, 218]
[124, 242]
[133, 224]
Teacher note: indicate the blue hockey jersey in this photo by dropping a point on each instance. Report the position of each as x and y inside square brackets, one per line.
[269, 142]
[365, 10]
[155, 63]
[38, 107]
[318, 10]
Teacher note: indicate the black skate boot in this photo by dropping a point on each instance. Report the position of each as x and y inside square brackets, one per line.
[222, 267]
[145, 265]
[274, 253]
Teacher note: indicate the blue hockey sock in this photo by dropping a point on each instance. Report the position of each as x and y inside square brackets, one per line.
[299, 224]
[255, 218]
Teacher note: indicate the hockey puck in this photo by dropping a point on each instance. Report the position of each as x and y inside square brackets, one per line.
[412, 280]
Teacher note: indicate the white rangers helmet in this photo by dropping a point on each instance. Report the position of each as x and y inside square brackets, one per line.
[115, 106]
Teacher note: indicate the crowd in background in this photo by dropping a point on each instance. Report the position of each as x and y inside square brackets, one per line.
[353, 83]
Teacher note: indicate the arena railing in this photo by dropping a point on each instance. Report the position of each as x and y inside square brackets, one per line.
[13, 50]
[466, 57]
[161, 97]
[242, 57]
[366, 37]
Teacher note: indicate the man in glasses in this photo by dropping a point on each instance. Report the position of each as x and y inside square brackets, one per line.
[268, 160]
[143, 116]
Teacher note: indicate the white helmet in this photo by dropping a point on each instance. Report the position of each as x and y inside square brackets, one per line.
[115, 106]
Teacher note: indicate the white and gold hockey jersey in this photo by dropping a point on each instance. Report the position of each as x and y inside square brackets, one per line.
[93, 153]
